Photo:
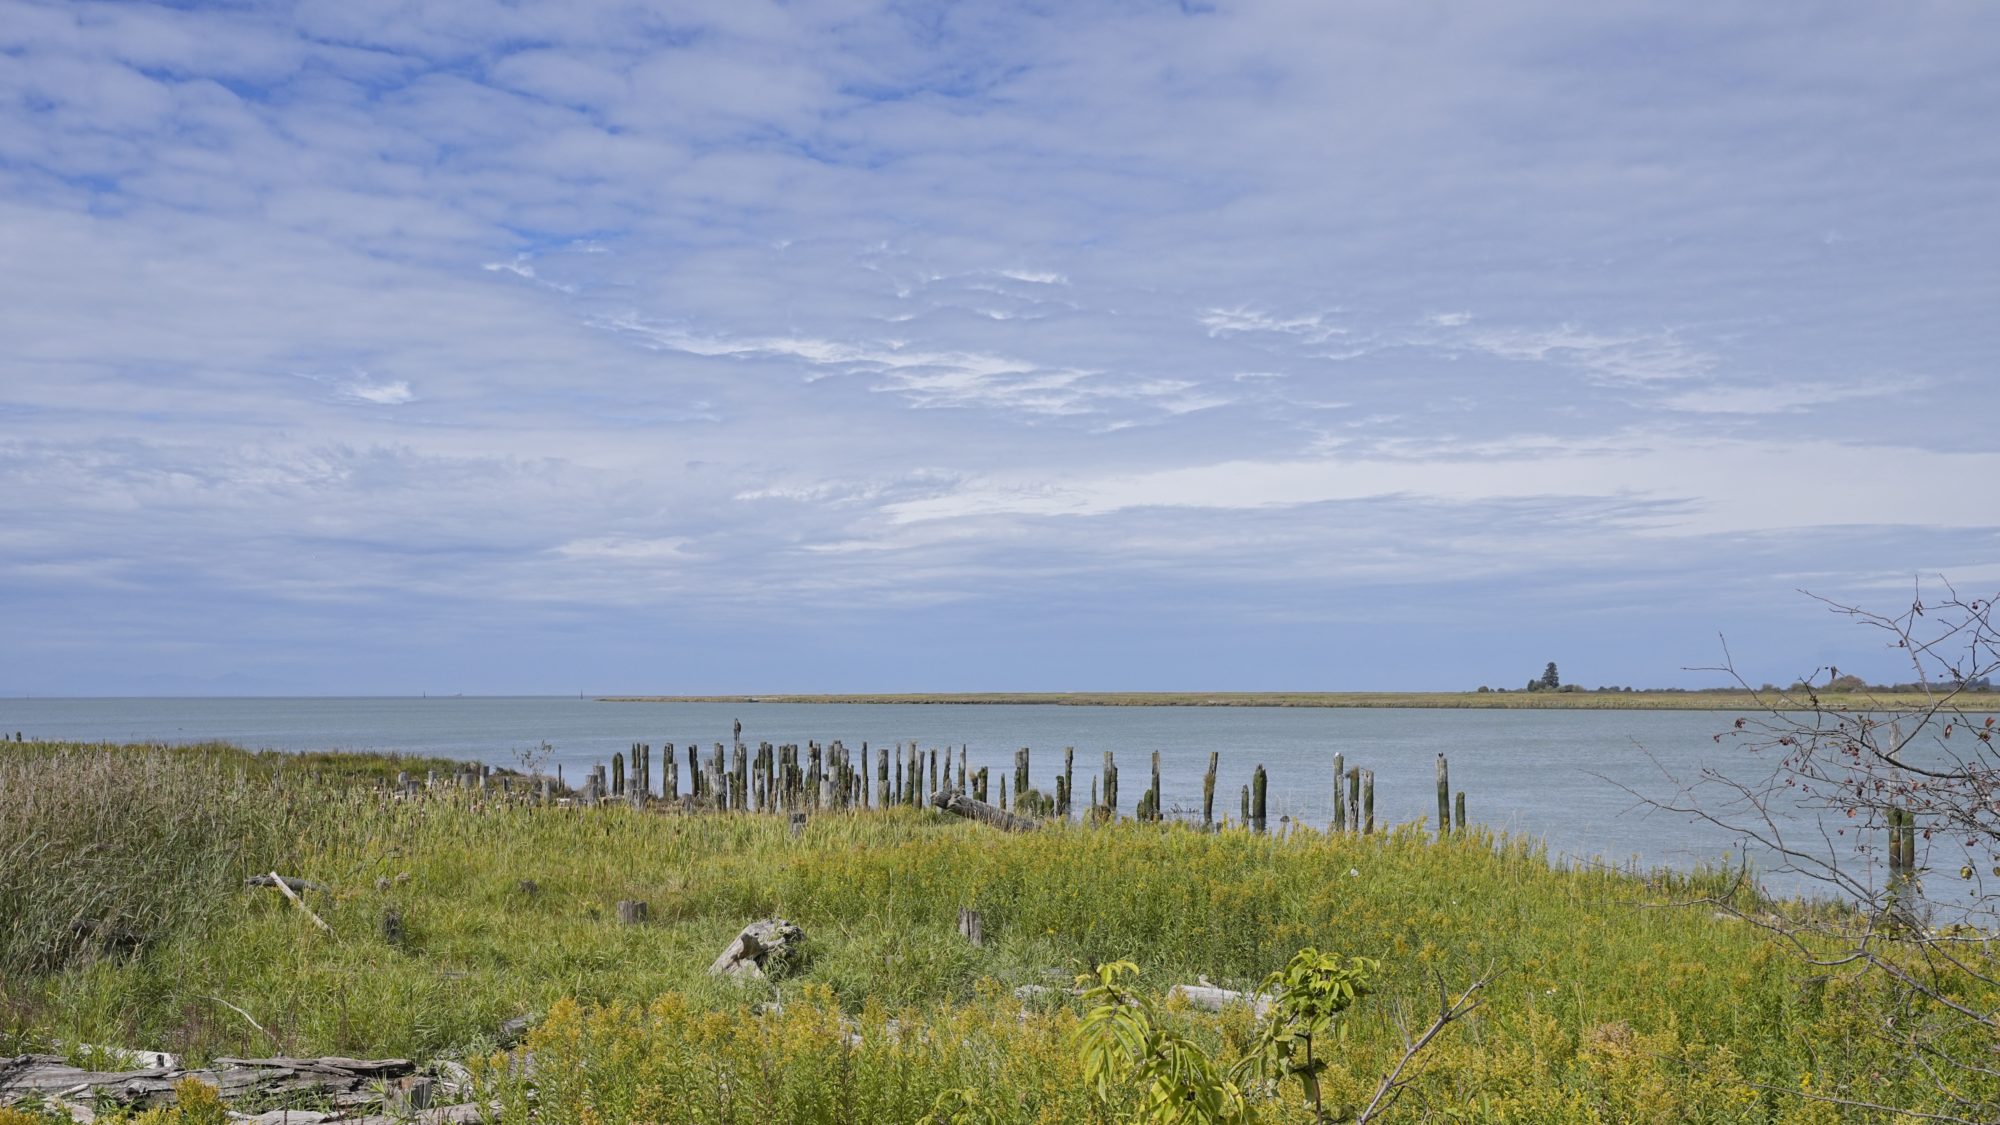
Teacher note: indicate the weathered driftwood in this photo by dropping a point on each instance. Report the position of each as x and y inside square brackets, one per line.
[760, 949]
[1211, 998]
[290, 882]
[336, 1081]
[959, 803]
[285, 888]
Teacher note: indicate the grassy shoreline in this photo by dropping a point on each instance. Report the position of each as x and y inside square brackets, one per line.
[1488, 700]
[1622, 997]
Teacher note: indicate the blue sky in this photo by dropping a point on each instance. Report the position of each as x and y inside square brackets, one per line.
[364, 346]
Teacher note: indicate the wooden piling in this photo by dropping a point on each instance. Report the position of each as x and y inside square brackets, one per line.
[1354, 798]
[1460, 825]
[1021, 771]
[1368, 801]
[1110, 786]
[1208, 792]
[1258, 786]
[1339, 793]
[1246, 806]
[1155, 792]
[1444, 797]
[1069, 781]
[972, 925]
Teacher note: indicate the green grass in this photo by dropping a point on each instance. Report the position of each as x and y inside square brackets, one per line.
[1507, 700]
[1614, 1005]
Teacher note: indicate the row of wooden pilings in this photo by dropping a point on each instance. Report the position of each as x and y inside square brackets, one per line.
[789, 778]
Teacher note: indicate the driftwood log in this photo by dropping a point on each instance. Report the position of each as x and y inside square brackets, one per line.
[959, 803]
[337, 1082]
[290, 882]
[762, 948]
[1211, 998]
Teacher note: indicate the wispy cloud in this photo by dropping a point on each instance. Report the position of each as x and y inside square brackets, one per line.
[842, 335]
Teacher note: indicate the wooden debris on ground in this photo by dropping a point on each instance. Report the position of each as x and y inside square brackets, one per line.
[960, 803]
[760, 949]
[1210, 998]
[346, 1091]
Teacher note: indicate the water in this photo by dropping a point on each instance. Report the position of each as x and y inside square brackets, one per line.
[1558, 776]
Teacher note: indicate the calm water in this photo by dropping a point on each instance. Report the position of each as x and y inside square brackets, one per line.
[1551, 775]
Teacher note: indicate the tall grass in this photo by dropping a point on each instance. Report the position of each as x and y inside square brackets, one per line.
[107, 850]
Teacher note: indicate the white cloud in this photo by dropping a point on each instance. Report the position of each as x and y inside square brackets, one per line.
[1702, 488]
[386, 392]
[1781, 398]
[1037, 277]
[1242, 319]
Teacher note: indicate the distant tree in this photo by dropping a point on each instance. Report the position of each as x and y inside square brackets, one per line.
[1550, 681]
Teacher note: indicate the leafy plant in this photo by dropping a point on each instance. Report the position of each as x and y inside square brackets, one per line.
[1123, 1043]
[1307, 997]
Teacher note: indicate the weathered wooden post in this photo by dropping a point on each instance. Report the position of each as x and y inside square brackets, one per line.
[964, 778]
[972, 925]
[1246, 806]
[1339, 793]
[1069, 781]
[882, 777]
[979, 784]
[1021, 771]
[1003, 792]
[741, 759]
[1444, 797]
[1368, 800]
[1461, 810]
[1354, 798]
[1895, 819]
[1209, 793]
[1155, 802]
[1110, 786]
[694, 771]
[670, 785]
[1258, 785]
[632, 912]
[933, 786]
[899, 775]
[618, 774]
[815, 776]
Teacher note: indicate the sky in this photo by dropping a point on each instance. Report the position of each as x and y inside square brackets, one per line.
[399, 346]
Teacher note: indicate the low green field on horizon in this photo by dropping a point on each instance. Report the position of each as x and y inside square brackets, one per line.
[1551, 700]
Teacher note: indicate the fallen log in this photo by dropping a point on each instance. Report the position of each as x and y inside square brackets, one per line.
[335, 1081]
[1213, 999]
[959, 803]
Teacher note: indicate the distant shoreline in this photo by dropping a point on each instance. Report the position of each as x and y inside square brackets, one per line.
[1487, 700]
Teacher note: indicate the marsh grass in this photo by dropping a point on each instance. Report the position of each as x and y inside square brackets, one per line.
[108, 851]
[1615, 1004]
